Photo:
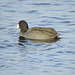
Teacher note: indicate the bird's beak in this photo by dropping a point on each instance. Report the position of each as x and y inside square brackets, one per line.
[17, 27]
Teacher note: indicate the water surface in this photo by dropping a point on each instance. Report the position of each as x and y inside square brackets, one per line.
[31, 57]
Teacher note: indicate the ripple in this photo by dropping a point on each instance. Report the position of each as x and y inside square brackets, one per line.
[58, 18]
[46, 21]
[2, 47]
[44, 17]
[10, 11]
[73, 68]
[71, 25]
[22, 0]
[6, 6]
[69, 1]
[9, 45]
[72, 52]
[41, 4]
[66, 22]
[73, 4]
[46, 71]
[56, 4]
[72, 11]
[1, 28]
[32, 11]
[60, 52]
[2, 66]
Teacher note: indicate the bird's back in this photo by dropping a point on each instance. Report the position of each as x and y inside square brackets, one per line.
[40, 33]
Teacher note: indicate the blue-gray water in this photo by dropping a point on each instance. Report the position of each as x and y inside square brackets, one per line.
[37, 58]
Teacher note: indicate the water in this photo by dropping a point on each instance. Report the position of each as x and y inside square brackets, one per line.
[37, 58]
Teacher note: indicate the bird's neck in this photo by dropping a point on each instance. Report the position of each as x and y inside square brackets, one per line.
[24, 30]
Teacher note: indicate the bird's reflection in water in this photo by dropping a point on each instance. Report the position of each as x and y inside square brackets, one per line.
[22, 39]
[21, 44]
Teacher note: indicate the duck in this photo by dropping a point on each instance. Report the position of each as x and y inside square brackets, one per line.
[36, 33]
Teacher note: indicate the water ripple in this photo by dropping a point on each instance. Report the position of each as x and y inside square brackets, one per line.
[2, 66]
[41, 4]
[71, 52]
[72, 11]
[32, 11]
[59, 18]
[2, 28]
[66, 21]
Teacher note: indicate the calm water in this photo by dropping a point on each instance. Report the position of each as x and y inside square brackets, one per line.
[37, 58]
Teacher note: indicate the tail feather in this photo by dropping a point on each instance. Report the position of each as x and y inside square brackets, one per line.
[58, 34]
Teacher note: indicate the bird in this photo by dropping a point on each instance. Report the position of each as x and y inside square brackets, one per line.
[36, 33]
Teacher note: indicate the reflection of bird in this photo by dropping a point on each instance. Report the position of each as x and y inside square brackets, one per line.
[38, 33]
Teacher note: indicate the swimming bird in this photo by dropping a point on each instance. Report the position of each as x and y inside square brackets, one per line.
[37, 33]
